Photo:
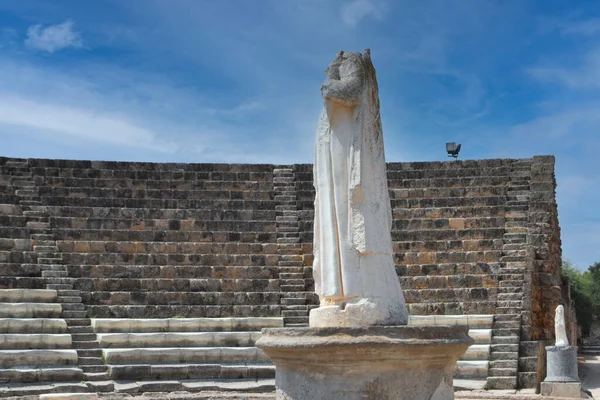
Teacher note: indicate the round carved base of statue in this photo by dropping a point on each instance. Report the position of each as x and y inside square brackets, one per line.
[365, 363]
[362, 312]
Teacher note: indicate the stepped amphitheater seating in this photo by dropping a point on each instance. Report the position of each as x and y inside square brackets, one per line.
[190, 352]
[34, 341]
[448, 233]
[198, 242]
[474, 364]
[158, 244]
[459, 231]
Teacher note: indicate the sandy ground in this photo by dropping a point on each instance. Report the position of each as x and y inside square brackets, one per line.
[589, 372]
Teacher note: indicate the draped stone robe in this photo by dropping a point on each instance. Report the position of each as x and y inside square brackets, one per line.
[353, 267]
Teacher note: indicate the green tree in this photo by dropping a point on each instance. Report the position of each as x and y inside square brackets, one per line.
[581, 293]
[593, 275]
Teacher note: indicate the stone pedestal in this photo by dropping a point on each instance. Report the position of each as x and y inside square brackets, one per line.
[370, 363]
[562, 376]
[561, 364]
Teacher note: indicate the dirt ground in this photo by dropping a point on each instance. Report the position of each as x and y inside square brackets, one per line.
[589, 373]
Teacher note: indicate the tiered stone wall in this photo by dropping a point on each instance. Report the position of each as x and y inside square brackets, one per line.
[162, 239]
[147, 240]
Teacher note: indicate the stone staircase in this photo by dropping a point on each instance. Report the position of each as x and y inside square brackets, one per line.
[185, 353]
[187, 240]
[36, 353]
[145, 241]
[507, 329]
[591, 350]
[50, 263]
[474, 363]
[292, 275]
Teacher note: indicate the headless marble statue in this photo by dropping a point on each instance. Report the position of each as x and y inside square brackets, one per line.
[560, 331]
[354, 270]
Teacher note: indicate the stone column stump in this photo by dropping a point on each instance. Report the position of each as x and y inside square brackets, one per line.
[365, 363]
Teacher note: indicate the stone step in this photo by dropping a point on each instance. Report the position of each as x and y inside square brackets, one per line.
[476, 352]
[49, 374]
[35, 224]
[510, 296]
[293, 301]
[45, 249]
[497, 355]
[502, 372]
[504, 364]
[68, 307]
[507, 317]
[510, 304]
[51, 267]
[83, 337]
[193, 325]
[74, 293]
[191, 371]
[294, 313]
[74, 330]
[49, 260]
[42, 237]
[25, 391]
[69, 299]
[32, 325]
[292, 288]
[237, 385]
[292, 282]
[86, 344]
[90, 361]
[26, 191]
[174, 355]
[38, 357]
[503, 284]
[502, 382]
[177, 339]
[94, 369]
[295, 321]
[34, 203]
[473, 321]
[505, 340]
[527, 380]
[509, 324]
[291, 276]
[59, 286]
[528, 364]
[481, 336]
[90, 353]
[74, 314]
[60, 280]
[506, 332]
[508, 310]
[78, 321]
[28, 295]
[504, 290]
[95, 376]
[30, 310]
[473, 368]
[43, 254]
[35, 341]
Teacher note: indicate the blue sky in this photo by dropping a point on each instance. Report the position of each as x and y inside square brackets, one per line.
[238, 81]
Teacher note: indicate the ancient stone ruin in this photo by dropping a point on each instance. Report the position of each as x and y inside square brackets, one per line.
[140, 277]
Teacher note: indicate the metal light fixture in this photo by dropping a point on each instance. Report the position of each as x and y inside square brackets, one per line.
[453, 149]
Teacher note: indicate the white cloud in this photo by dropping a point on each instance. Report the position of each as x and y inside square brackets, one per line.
[353, 12]
[81, 124]
[584, 76]
[53, 38]
[588, 27]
